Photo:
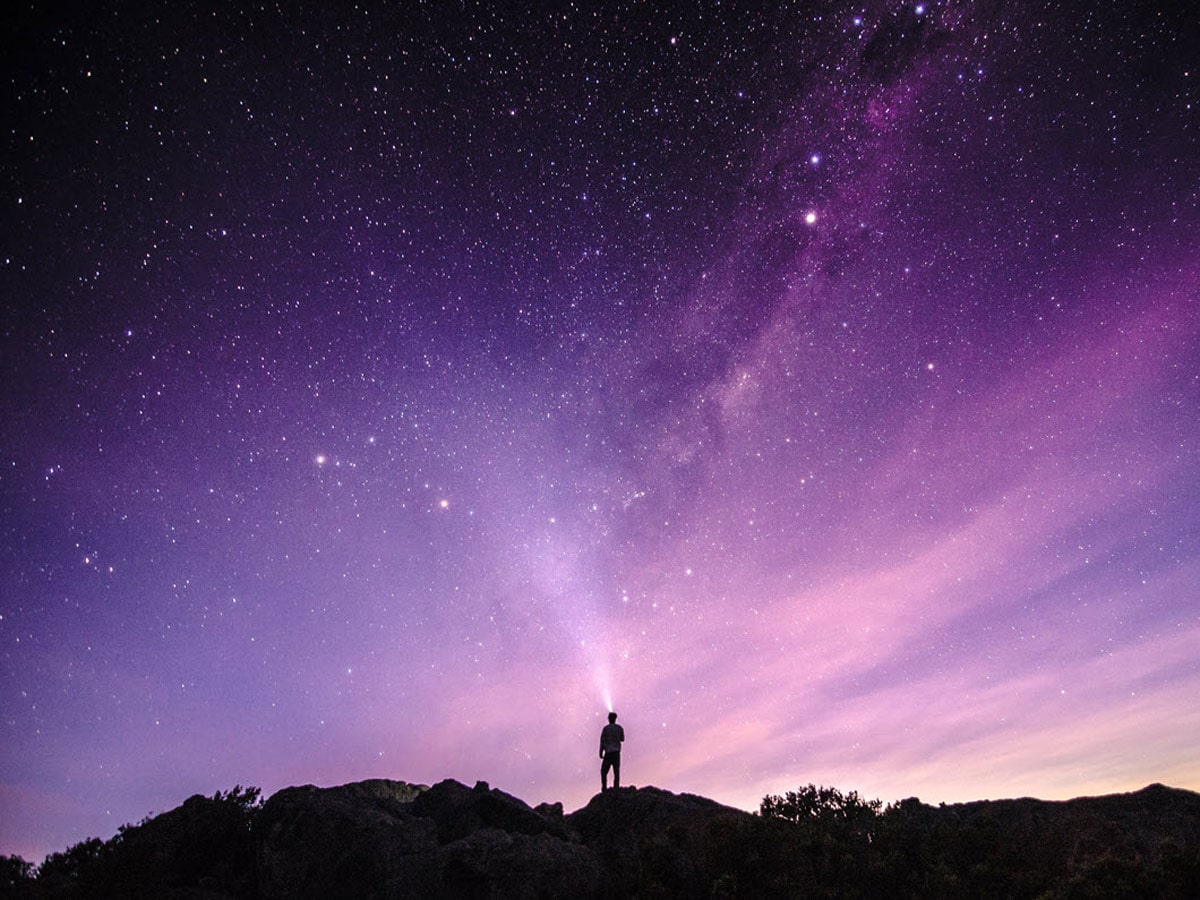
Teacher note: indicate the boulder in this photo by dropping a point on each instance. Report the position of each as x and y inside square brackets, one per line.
[357, 840]
[387, 840]
[459, 811]
[652, 842]
[551, 811]
[498, 864]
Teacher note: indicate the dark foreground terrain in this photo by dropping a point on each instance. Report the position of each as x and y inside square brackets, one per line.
[391, 839]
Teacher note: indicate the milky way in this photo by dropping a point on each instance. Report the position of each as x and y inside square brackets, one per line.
[387, 392]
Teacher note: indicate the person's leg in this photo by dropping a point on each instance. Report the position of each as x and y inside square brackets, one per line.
[616, 767]
[604, 767]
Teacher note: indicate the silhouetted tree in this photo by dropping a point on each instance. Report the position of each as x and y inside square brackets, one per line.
[206, 840]
[247, 800]
[835, 832]
[75, 865]
[825, 807]
[16, 875]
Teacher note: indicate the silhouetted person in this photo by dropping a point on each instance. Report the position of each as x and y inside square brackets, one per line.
[611, 737]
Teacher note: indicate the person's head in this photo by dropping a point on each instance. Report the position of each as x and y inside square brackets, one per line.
[612, 717]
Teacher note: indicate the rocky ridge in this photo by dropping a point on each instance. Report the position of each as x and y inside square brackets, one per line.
[389, 839]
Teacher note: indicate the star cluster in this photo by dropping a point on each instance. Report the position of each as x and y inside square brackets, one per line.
[389, 391]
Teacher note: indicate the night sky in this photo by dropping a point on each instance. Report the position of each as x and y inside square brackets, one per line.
[387, 391]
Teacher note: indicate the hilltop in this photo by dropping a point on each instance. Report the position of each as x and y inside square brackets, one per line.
[390, 839]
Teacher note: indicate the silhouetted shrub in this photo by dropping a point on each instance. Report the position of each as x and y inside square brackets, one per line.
[77, 864]
[826, 807]
[16, 877]
[205, 844]
[248, 800]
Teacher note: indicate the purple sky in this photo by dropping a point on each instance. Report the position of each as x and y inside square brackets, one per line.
[386, 392]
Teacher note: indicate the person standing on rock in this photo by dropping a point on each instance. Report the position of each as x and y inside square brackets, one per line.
[610, 751]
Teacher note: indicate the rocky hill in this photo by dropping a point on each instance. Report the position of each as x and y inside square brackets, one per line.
[386, 839]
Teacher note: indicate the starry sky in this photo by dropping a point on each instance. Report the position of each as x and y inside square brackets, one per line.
[388, 391]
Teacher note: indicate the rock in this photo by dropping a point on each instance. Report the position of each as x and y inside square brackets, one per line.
[370, 840]
[460, 811]
[652, 842]
[495, 863]
[551, 811]
[388, 839]
[357, 840]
